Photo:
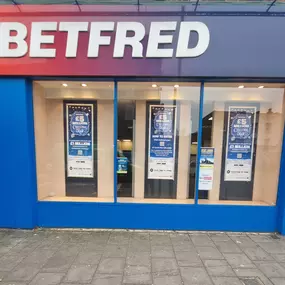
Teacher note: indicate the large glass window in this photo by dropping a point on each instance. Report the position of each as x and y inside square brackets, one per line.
[241, 143]
[157, 141]
[74, 140]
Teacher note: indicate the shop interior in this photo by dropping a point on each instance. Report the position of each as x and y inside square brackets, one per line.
[134, 101]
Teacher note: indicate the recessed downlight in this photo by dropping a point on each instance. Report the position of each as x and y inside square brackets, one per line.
[154, 85]
[176, 86]
[83, 84]
[261, 86]
[64, 85]
[241, 86]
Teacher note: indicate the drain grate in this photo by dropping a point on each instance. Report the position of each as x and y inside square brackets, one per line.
[251, 281]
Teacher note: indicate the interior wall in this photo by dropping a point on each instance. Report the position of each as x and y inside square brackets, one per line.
[268, 152]
[139, 154]
[49, 136]
[183, 155]
[105, 120]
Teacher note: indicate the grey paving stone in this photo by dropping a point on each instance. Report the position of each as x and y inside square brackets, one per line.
[162, 251]
[114, 250]
[184, 247]
[2, 275]
[160, 239]
[278, 281]
[271, 269]
[140, 236]
[185, 258]
[88, 257]
[24, 247]
[38, 256]
[208, 252]
[68, 249]
[81, 273]
[137, 269]
[178, 238]
[4, 249]
[47, 279]
[273, 247]
[219, 237]
[243, 241]
[94, 246]
[252, 272]
[139, 246]
[279, 257]
[201, 240]
[143, 278]
[257, 253]
[164, 266]
[107, 279]
[215, 263]
[226, 281]
[58, 263]
[239, 260]
[138, 258]
[260, 237]
[195, 276]
[220, 271]
[111, 265]
[167, 280]
[22, 272]
[227, 247]
[8, 262]
[119, 238]
[13, 283]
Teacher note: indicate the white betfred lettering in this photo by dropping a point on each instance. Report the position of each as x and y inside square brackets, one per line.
[155, 39]
[19, 39]
[72, 29]
[122, 40]
[96, 39]
[184, 38]
[37, 39]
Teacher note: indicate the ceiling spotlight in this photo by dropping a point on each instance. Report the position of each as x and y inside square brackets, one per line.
[261, 86]
[176, 86]
[210, 119]
[83, 84]
[154, 85]
[64, 85]
[241, 86]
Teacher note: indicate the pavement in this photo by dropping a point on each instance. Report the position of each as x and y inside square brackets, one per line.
[65, 257]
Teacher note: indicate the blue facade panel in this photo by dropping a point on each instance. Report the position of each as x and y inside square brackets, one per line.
[18, 176]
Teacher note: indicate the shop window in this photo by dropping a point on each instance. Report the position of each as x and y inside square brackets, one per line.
[157, 141]
[74, 140]
[241, 143]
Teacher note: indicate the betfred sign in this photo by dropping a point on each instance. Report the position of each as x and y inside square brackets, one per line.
[17, 41]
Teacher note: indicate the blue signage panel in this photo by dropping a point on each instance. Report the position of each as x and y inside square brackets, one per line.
[122, 164]
[240, 143]
[162, 139]
[80, 140]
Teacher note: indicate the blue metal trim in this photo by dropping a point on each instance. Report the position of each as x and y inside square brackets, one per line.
[280, 203]
[199, 144]
[115, 137]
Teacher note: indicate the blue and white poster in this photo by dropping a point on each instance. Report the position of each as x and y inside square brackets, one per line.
[206, 168]
[240, 143]
[122, 165]
[80, 140]
[162, 140]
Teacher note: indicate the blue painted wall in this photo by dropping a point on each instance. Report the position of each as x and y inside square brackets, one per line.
[17, 165]
[157, 216]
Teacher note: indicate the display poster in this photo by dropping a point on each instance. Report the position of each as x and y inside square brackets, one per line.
[162, 140]
[206, 171]
[80, 140]
[240, 143]
[122, 165]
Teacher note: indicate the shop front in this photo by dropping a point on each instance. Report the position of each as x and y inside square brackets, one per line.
[142, 120]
